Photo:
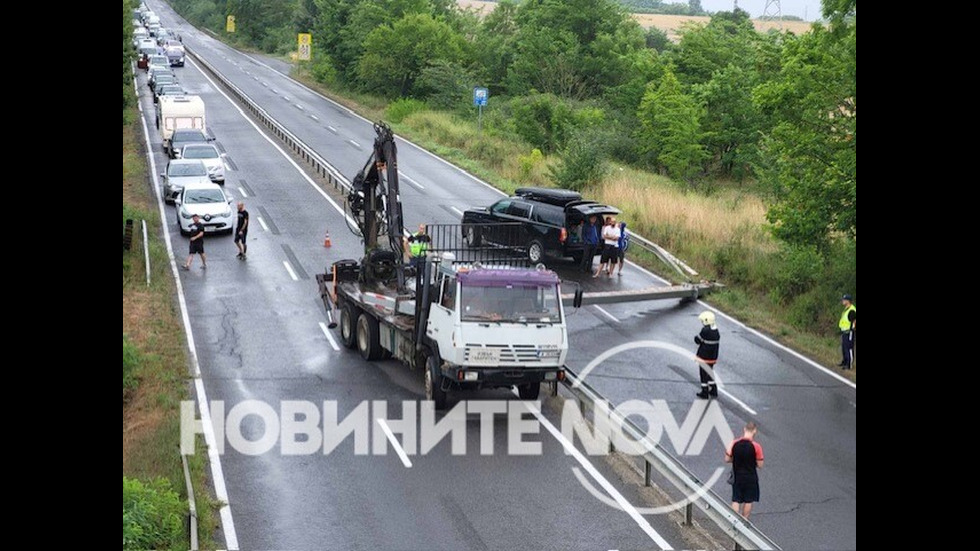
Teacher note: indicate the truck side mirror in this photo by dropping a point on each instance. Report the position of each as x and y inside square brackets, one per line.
[577, 299]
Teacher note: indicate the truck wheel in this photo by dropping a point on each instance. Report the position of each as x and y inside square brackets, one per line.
[472, 236]
[529, 391]
[535, 251]
[348, 331]
[368, 341]
[433, 383]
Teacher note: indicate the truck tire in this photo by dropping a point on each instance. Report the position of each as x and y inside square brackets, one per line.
[472, 236]
[433, 383]
[529, 391]
[368, 341]
[348, 329]
[535, 251]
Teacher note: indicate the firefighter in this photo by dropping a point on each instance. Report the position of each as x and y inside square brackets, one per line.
[707, 342]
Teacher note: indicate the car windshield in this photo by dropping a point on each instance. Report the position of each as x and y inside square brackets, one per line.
[187, 169]
[202, 196]
[199, 153]
[188, 137]
[157, 59]
[511, 303]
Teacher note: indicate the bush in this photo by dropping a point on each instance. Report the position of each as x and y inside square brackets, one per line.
[131, 361]
[528, 162]
[399, 109]
[797, 270]
[153, 515]
[582, 163]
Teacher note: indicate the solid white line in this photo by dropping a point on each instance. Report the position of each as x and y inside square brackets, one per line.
[242, 191]
[608, 315]
[394, 442]
[326, 332]
[309, 180]
[411, 181]
[499, 192]
[332, 129]
[737, 401]
[314, 118]
[262, 223]
[217, 474]
[597, 476]
[456, 210]
[298, 106]
[289, 269]
[355, 144]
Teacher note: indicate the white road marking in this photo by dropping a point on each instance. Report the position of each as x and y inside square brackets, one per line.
[314, 118]
[242, 191]
[298, 106]
[332, 129]
[285, 98]
[266, 84]
[411, 181]
[255, 78]
[289, 269]
[273, 90]
[326, 333]
[262, 223]
[394, 443]
[736, 400]
[355, 144]
[597, 476]
[608, 315]
[217, 473]
[457, 211]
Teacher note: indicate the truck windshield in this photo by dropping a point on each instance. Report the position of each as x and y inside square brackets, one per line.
[514, 303]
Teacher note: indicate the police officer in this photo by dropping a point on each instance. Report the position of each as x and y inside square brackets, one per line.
[707, 341]
[847, 324]
[418, 244]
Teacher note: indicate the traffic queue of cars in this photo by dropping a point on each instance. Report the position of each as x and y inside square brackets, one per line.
[195, 172]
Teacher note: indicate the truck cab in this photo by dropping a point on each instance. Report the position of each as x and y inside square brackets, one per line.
[498, 327]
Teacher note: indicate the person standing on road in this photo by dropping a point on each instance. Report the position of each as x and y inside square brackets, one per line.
[624, 243]
[197, 243]
[707, 340]
[847, 325]
[745, 455]
[241, 231]
[590, 242]
[610, 247]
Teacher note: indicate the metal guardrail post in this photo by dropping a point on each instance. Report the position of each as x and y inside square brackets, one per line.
[647, 471]
[689, 514]
[146, 253]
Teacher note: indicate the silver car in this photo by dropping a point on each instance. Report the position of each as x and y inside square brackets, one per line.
[211, 157]
[180, 173]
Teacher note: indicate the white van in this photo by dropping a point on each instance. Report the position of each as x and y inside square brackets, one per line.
[175, 112]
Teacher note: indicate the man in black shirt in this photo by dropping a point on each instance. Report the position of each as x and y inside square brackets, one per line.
[745, 455]
[197, 243]
[241, 231]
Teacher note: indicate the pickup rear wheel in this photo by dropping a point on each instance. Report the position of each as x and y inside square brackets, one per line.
[348, 331]
[368, 337]
[530, 391]
[433, 383]
[535, 251]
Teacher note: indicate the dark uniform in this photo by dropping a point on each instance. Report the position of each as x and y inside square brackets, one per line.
[707, 342]
[197, 245]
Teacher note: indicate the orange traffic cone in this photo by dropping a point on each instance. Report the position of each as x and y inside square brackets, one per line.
[326, 240]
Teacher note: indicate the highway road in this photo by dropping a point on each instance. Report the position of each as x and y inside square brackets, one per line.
[258, 335]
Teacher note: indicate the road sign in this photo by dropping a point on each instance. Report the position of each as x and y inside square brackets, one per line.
[230, 24]
[305, 46]
[480, 96]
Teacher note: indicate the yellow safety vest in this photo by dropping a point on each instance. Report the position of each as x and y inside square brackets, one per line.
[845, 324]
[417, 248]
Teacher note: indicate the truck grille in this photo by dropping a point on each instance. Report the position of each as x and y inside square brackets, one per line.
[510, 353]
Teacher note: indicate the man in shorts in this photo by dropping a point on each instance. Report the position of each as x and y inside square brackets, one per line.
[745, 455]
[197, 243]
[241, 231]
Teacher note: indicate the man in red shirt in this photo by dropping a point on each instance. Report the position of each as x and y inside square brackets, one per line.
[745, 455]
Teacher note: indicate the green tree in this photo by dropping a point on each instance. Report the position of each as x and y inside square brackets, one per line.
[671, 129]
[809, 158]
[731, 122]
[395, 55]
[548, 61]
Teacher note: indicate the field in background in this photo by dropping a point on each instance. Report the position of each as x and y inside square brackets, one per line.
[668, 23]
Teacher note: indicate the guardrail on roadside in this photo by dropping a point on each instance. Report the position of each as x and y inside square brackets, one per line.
[319, 164]
[743, 533]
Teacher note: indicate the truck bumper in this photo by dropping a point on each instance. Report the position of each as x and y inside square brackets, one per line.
[501, 376]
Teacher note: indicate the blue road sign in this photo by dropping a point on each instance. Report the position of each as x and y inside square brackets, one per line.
[480, 96]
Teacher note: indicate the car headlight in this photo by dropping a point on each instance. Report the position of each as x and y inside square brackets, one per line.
[226, 214]
[185, 214]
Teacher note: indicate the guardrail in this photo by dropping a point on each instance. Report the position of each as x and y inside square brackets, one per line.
[305, 152]
[719, 511]
[743, 533]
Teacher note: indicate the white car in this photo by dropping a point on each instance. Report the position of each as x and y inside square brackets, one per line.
[181, 173]
[210, 203]
[211, 157]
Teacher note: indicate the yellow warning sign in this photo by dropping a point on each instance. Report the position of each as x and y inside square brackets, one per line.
[230, 24]
[305, 41]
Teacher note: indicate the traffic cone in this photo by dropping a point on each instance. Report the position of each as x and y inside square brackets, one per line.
[326, 240]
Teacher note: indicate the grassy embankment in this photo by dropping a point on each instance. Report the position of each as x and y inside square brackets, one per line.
[155, 372]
